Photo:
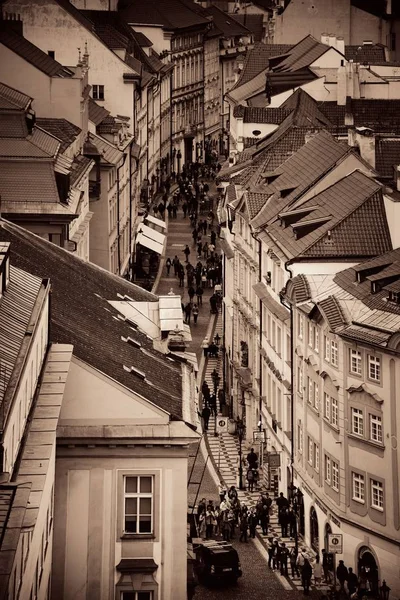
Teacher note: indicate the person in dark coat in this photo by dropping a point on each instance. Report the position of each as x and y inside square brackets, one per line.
[243, 526]
[306, 574]
[168, 264]
[205, 413]
[252, 459]
[188, 312]
[342, 573]
[283, 522]
[186, 252]
[181, 275]
[264, 519]
[284, 559]
[199, 294]
[352, 581]
[191, 293]
[253, 522]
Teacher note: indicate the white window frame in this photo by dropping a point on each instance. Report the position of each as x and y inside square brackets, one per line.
[375, 422]
[310, 396]
[375, 373]
[310, 452]
[335, 476]
[328, 469]
[334, 411]
[98, 91]
[334, 353]
[136, 594]
[356, 361]
[300, 437]
[316, 457]
[327, 349]
[357, 421]
[139, 495]
[377, 486]
[300, 384]
[327, 406]
[358, 487]
[316, 395]
[310, 334]
[316, 339]
[300, 326]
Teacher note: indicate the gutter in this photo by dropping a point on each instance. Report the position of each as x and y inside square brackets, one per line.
[118, 216]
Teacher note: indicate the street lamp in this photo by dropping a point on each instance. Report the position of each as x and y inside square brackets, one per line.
[240, 431]
[384, 591]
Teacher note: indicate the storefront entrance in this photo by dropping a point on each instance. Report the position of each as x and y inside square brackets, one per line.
[368, 569]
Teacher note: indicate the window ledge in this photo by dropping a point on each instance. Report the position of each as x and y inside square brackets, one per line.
[334, 427]
[362, 502]
[354, 436]
[377, 508]
[138, 536]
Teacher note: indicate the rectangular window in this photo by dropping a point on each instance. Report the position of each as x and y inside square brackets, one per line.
[327, 349]
[310, 451]
[316, 457]
[136, 596]
[335, 476]
[335, 412]
[98, 92]
[300, 326]
[310, 391]
[358, 485]
[300, 438]
[327, 406]
[310, 334]
[355, 362]
[300, 383]
[328, 469]
[376, 494]
[357, 421]
[138, 504]
[334, 353]
[316, 339]
[316, 396]
[375, 429]
[374, 368]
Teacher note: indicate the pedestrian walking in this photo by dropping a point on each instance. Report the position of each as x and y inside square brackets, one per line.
[191, 293]
[205, 413]
[188, 312]
[243, 526]
[326, 566]
[264, 519]
[181, 276]
[252, 459]
[195, 313]
[213, 404]
[199, 294]
[250, 480]
[293, 563]
[271, 554]
[283, 522]
[186, 252]
[210, 521]
[306, 575]
[342, 574]
[176, 263]
[317, 571]
[352, 582]
[284, 559]
[168, 264]
[253, 522]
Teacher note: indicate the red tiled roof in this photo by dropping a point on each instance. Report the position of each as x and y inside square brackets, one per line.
[366, 53]
[382, 116]
[13, 125]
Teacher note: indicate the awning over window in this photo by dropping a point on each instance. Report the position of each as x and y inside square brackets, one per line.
[137, 565]
[154, 221]
[150, 238]
[171, 317]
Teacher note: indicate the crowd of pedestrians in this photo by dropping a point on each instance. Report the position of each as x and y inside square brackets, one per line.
[200, 267]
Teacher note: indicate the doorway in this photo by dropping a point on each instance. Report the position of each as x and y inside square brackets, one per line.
[188, 150]
[368, 568]
[314, 530]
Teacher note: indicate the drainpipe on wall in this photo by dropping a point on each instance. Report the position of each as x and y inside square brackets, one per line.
[290, 308]
[130, 267]
[118, 217]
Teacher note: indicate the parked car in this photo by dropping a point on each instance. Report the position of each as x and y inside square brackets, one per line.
[216, 561]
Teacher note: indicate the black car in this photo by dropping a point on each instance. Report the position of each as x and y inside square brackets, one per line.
[216, 561]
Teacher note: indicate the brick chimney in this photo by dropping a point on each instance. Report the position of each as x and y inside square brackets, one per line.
[363, 138]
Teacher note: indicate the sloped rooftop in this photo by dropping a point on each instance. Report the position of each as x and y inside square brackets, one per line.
[351, 210]
[63, 130]
[33, 55]
[82, 316]
[172, 14]
[11, 99]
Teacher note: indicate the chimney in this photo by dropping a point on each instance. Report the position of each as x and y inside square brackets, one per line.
[325, 38]
[332, 40]
[4, 267]
[365, 140]
[340, 45]
[341, 85]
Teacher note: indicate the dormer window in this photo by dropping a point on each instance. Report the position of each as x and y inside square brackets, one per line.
[394, 297]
